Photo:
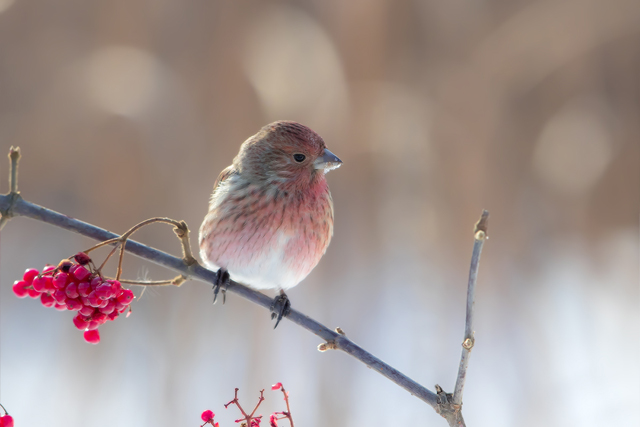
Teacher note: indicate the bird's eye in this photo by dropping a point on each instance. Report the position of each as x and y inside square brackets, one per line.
[299, 157]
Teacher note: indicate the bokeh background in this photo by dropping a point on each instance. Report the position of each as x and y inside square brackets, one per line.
[128, 109]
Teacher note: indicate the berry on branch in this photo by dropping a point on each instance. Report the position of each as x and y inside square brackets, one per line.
[77, 286]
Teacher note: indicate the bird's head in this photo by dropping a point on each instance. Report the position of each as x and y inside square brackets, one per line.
[286, 153]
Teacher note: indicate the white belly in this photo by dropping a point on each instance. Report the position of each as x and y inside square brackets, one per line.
[267, 270]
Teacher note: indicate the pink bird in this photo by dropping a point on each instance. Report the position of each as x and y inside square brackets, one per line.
[270, 217]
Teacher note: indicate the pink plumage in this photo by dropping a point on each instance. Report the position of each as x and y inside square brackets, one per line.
[270, 219]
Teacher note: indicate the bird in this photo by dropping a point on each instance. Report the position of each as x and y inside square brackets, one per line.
[270, 217]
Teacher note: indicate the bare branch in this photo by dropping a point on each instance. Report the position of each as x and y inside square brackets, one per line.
[449, 410]
[14, 156]
[196, 271]
[447, 405]
[7, 213]
[479, 235]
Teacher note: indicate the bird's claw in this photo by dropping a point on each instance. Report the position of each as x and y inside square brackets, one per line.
[222, 279]
[281, 307]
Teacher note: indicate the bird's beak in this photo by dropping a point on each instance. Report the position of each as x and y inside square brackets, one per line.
[328, 161]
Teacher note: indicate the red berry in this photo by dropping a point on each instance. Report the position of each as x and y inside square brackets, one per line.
[48, 284]
[33, 293]
[20, 288]
[100, 318]
[207, 416]
[95, 282]
[72, 290]
[82, 258]
[73, 304]
[29, 275]
[273, 421]
[80, 322]
[39, 284]
[87, 310]
[60, 307]
[6, 421]
[112, 316]
[92, 336]
[60, 280]
[104, 291]
[109, 307]
[94, 301]
[126, 297]
[93, 325]
[116, 286]
[276, 386]
[84, 289]
[81, 273]
[48, 268]
[47, 300]
[60, 296]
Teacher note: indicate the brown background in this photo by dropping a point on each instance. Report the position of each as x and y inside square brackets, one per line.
[126, 110]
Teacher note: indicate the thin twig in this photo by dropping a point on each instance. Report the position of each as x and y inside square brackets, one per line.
[450, 405]
[14, 156]
[176, 281]
[196, 271]
[137, 227]
[247, 417]
[479, 235]
[14, 194]
[286, 399]
[181, 230]
[101, 244]
[109, 255]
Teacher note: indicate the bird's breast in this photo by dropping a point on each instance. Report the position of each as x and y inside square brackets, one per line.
[267, 237]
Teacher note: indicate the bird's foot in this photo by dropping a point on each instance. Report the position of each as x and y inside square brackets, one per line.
[222, 282]
[281, 307]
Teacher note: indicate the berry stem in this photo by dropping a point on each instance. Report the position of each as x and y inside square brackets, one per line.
[260, 400]
[176, 281]
[101, 244]
[236, 402]
[109, 255]
[247, 417]
[286, 399]
[180, 228]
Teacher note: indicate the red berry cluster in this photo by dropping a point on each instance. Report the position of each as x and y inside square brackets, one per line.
[250, 419]
[76, 286]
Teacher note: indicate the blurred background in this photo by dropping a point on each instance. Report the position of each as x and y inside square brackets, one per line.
[128, 109]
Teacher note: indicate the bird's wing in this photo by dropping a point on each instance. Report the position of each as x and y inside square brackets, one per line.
[224, 175]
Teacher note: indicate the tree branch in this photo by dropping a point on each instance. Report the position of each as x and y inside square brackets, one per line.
[20, 207]
[14, 194]
[450, 405]
[479, 235]
[447, 405]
